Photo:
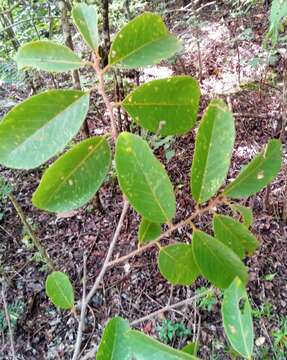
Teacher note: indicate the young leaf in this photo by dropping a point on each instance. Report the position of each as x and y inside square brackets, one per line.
[48, 56]
[60, 290]
[235, 235]
[143, 179]
[143, 347]
[258, 173]
[213, 149]
[169, 105]
[237, 319]
[40, 127]
[217, 262]
[176, 263]
[245, 212]
[113, 345]
[148, 231]
[75, 177]
[86, 20]
[143, 41]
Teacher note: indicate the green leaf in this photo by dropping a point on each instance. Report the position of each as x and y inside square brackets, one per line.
[213, 150]
[60, 290]
[148, 231]
[169, 105]
[176, 263]
[234, 235]
[258, 173]
[277, 16]
[75, 177]
[143, 41]
[144, 347]
[245, 212]
[40, 127]
[237, 319]
[216, 261]
[143, 179]
[113, 345]
[48, 56]
[191, 348]
[85, 18]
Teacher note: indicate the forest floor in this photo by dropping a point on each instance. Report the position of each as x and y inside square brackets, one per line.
[135, 289]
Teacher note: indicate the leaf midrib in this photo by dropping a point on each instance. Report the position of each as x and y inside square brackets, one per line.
[54, 61]
[123, 58]
[62, 292]
[127, 105]
[206, 162]
[46, 124]
[238, 181]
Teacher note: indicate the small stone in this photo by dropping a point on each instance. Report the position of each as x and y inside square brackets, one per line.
[260, 341]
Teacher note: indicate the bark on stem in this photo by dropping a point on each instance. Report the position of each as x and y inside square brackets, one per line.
[101, 90]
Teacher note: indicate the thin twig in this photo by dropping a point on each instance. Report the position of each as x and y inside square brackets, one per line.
[170, 307]
[93, 351]
[31, 233]
[98, 281]
[168, 232]
[8, 320]
[101, 89]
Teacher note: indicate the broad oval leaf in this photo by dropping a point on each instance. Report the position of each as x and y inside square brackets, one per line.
[234, 235]
[258, 173]
[148, 231]
[114, 345]
[216, 261]
[143, 41]
[144, 347]
[48, 56]
[176, 263]
[168, 106]
[40, 127]
[245, 212]
[75, 177]
[60, 290]
[86, 20]
[143, 179]
[213, 150]
[119, 342]
[237, 319]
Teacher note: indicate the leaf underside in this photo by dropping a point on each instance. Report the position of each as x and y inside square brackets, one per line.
[41, 126]
[143, 41]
